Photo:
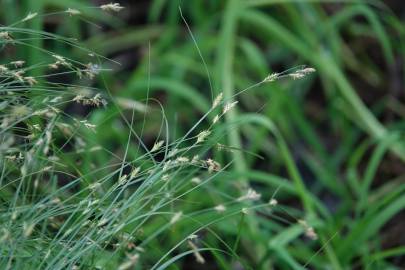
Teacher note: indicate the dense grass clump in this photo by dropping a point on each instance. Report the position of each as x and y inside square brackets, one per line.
[175, 146]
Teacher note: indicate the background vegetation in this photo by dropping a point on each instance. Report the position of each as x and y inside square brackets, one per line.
[312, 170]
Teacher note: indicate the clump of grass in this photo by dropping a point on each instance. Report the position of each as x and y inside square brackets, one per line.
[57, 214]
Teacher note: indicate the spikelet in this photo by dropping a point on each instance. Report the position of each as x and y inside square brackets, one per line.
[135, 172]
[196, 180]
[176, 217]
[301, 73]
[198, 257]
[272, 77]
[29, 16]
[3, 69]
[203, 135]
[220, 208]
[309, 230]
[157, 146]
[5, 35]
[28, 229]
[182, 160]
[18, 63]
[123, 179]
[115, 7]
[217, 100]
[88, 125]
[72, 12]
[130, 263]
[216, 119]
[273, 202]
[229, 106]
[251, 194]
[212, 165]
[30, 80]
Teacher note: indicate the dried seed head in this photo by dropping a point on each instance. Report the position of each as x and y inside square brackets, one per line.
[72, 11]
[157, 146]
[217, 100]
[3, 69]
[183, 160]
[220, 208]
[5, 236]
[167, 165]
[5, 35]
[130, 263]
[30, 80]
[273, 202]
[102, 222]
[297, 75]
[173, 152]
[115, 7]
[272, 77]
[30, 16]
[123, 179]
[251, 194]
[18, 64]
[301, 73]
[28, 229]
[308, 70]
[56, 99]
[203, 135]
[212, 165]
[135, 172]
[196, 180]
[19, 75]
[61, 60]
[54, 65]
[198, 257]
[91, 70]
[216, 119]
[195, 159]
[176, 217]
[221, 147]
[311, 234]
[89, 125]
[309, 230]
[229, 106]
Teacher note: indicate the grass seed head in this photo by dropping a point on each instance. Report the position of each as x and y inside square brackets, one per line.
[216, 119]
[130, 263]
[72, 12]
[251, 195]
[30, 80]
[176, 217]
[273, 202]
[212, 165]
[114, 7]
[5, 35]
[18, 63]
[217, 100]
[157, 146]
[135, 172]
[196, 180]
[272, 77]
[198, 257]
[30, 16]
[203, 135]
[228, 106]
[220, 208]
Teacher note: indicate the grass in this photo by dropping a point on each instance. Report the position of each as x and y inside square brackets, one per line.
[83, 187]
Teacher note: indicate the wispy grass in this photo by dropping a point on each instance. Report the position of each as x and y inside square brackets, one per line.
[85, 181]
